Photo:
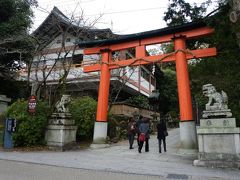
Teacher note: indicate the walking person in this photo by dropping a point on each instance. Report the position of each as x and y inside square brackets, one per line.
[131, 130]
[162, 133]
[138, 123]
[144, 129]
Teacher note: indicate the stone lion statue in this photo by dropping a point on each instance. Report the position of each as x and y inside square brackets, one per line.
[216, 101]
[61, 105]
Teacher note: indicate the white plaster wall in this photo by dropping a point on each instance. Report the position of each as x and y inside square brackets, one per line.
[54, 43]
[56, 74]
[93, 57]
[133, 73]
[52, 56]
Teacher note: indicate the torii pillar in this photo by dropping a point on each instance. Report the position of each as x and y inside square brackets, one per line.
[100, 126]
[188, 136]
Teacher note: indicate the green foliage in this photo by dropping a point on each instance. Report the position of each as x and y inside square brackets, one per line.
[15, 16]
[167, 47]
[14, 89]
[83, 111]
[30, 128]
[117, 127]
[139, 101]
[221, 71]
[180, 12]
[167, 86]
[15, 41]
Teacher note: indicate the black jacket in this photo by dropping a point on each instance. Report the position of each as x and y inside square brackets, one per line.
[161, 127]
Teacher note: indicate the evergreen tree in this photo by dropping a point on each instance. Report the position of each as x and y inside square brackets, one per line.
[223, 70]
[15, 41]
[15, 21]
[179, 12]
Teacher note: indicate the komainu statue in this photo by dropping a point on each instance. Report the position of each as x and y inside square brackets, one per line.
[61, 105]
[216, 101]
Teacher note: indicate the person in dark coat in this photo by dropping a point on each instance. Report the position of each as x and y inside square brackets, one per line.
[131, 130]
[144, 128]
[138, 123]
[162, 133]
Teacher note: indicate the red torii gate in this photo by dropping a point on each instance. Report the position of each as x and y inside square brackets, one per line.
[139, 41]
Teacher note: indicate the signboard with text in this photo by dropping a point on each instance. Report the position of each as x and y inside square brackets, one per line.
[32, 103]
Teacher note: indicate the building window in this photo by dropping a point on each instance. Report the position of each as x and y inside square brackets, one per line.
[68, 40]
[144, 74]
[77, 58]
[58, 41]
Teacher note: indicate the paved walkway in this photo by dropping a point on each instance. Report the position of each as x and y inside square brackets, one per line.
[118, 158]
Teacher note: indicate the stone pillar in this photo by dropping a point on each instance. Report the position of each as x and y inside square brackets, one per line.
[61, 132]
[61, 129]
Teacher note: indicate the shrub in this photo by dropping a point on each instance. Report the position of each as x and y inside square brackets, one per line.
[139, 101]
[117, 127]
[83, 111]
[30, 128]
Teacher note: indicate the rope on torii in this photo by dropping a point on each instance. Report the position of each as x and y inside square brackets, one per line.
[186, 51]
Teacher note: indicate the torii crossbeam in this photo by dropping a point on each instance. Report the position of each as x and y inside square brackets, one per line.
[178, 35]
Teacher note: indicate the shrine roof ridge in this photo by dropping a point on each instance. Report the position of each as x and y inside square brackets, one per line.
[143, 35]
[63, 20]
[49, 28]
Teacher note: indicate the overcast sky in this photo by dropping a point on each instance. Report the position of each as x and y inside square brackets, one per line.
[122, 16]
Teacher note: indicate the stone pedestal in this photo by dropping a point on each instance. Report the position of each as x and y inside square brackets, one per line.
[61, 131]
[217, 113]
[100, 135]
[219, 143]
[188, 137]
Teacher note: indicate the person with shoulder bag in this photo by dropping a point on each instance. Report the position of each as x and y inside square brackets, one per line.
[131, 130]
[138, 123]
[144, 135]
[162, 134]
